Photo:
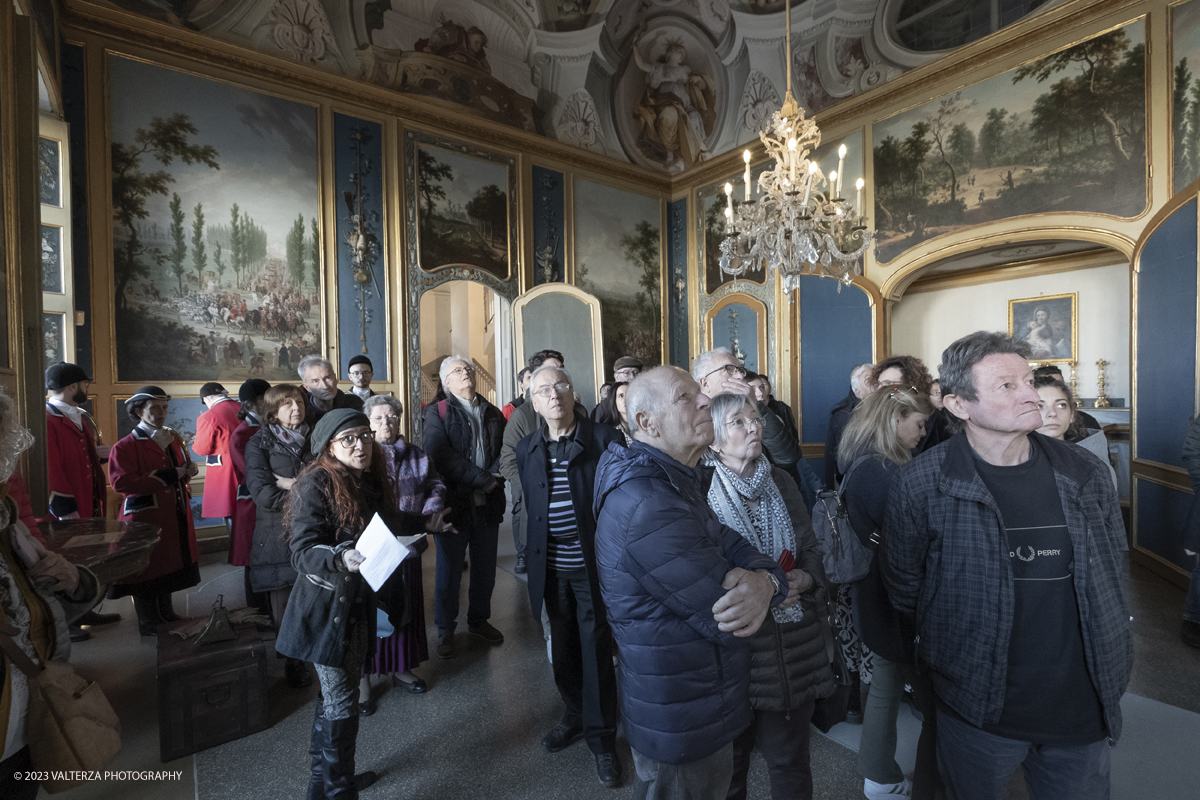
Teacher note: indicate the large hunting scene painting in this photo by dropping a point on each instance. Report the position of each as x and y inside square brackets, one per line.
[1185, 100]
[462, 211]
[1066, 132]
[216, 244]
[617, 259]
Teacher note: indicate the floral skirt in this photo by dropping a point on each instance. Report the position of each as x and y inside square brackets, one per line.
[856, 654]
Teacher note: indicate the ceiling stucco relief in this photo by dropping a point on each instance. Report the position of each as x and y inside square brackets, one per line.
[569, 69]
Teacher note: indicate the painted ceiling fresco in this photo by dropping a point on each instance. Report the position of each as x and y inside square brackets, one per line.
[661, 83]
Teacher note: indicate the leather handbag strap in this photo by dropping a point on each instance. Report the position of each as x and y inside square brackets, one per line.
[832, 652]
[15, 654]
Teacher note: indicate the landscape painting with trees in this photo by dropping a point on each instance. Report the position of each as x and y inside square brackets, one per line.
[617, 259]
[1185, 105]
[216, 244]
[462, 211]
[1066, 132]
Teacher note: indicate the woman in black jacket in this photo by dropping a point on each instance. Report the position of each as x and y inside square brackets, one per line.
[274, 457]
[789, 669]
[882, 436]
[330, 620]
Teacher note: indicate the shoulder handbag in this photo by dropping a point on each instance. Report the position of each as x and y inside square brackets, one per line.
[845, 558]
[70, 726]
[829, 711]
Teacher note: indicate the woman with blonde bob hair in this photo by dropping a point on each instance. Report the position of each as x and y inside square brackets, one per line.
[882, 436]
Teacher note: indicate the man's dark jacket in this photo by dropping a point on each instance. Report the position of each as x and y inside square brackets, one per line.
[588, 444]
[312, 414]
[451, 448]
[662, 555]
[945, 560]
[839, 418]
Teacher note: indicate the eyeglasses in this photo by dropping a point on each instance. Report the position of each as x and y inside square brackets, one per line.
[463, 371]
[730, 370]
[349, 440]
[390, 418]
[548, 391]
[744, 423]
[358, 373]
[626, 374]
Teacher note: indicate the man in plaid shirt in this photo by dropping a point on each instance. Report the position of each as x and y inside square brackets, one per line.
[1007, 547]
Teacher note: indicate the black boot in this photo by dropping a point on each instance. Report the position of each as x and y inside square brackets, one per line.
[148, 616]
[339, 745]
[296, 673]
[166, 608]
[316, 783]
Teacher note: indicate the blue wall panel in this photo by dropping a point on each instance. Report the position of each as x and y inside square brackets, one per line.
[835, 335]
[1166, 338]
[677, 268]
[548, 205]
[1161, 512]
[361, 269]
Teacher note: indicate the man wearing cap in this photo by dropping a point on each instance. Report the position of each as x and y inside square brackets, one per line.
[214, 429]
[320, 384]
[361, 371]
[73, 448]
[626, 368]
[74, 454]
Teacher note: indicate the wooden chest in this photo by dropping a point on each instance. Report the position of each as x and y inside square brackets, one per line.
[210, 694]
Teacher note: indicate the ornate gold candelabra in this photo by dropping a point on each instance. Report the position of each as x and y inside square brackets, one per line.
[1074, 383]
[1101, 400]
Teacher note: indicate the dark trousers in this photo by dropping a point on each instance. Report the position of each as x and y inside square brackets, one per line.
[518, 524]
[583, 652]
[783, 739]
[13, 787]
[977, 765]
[705, 779]
[482, 539]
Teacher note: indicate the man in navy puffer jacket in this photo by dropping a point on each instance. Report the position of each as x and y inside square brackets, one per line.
[683, 592]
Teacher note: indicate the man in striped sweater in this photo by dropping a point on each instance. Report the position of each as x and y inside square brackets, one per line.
[557, 466]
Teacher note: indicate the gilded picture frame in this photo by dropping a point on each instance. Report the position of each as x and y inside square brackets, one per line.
[1049, 323]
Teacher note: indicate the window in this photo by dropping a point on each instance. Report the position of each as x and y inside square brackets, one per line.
[931, 25]
[58, 297]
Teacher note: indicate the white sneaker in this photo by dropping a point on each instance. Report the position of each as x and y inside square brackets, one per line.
[881, 791]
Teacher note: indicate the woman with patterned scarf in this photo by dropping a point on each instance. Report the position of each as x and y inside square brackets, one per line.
[790, 669]
[40, 592]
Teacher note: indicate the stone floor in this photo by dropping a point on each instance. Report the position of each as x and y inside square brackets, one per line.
[476, 732]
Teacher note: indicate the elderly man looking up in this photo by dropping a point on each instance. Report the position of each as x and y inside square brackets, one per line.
[718, 371]
[320, 385]
[557, 464]
[462, 437]
[683, 593]
[839, 418]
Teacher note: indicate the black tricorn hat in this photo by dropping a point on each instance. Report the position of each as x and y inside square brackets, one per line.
[210, 388]
[147, 393]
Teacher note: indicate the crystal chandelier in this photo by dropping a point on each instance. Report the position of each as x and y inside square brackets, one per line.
[793, 225]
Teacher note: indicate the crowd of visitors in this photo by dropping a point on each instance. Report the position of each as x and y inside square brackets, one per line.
[670, 555]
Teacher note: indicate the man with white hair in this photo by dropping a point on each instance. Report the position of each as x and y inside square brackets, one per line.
[463, 434]
[557, 465]
[683, 593]
[717, 371]
[839, 418]
[319, 381]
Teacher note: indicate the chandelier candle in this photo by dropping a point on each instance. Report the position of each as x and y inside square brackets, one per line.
[841, 159]
[812, 170]
[746, 158]
[858, 203]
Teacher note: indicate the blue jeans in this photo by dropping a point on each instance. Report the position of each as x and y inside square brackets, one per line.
[1191, 607]
[977, 765]
[482, 539]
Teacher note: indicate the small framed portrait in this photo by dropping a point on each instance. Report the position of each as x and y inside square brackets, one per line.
[1049, 323]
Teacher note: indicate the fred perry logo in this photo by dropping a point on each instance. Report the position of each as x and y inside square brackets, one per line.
[1021, 555]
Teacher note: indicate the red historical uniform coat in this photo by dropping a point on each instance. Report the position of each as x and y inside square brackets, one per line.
[76, 477]
[241, 530]
[213, 431]
[145, 475]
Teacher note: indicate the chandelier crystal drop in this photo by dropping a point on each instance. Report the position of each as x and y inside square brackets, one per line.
[798, 223]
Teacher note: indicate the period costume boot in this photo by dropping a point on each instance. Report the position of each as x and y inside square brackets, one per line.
[316, 783]
[338, 747]
[148, 616]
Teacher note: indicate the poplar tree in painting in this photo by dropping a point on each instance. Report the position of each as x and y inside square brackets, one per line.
[178, 239]
[295, 252]
[199, 256]
[164, 140]
[641, 250]
[314, 256]
[235, 243]
[220, 264]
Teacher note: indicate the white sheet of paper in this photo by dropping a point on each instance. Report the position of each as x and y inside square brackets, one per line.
[382, 550]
